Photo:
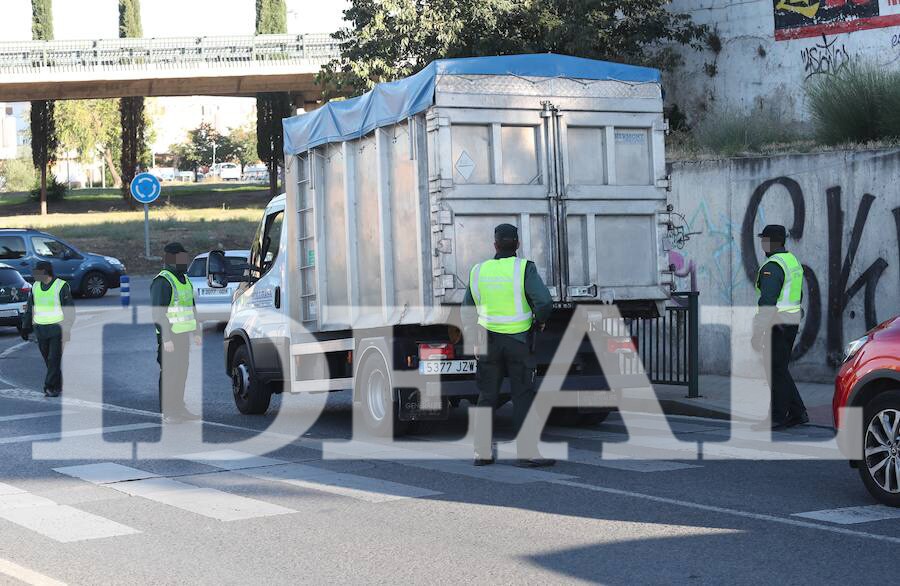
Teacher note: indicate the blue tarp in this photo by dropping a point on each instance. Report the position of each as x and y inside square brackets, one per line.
[389, 103]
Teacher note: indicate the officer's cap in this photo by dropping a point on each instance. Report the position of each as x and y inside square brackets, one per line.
[506, 232]
[174, 248]
[774, 232]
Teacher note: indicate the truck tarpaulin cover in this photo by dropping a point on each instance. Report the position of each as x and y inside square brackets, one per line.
[389, 103]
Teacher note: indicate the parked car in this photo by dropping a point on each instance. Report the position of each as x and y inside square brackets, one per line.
[227, 171]
[14, 292]
[215, 304]
[870, 378]
[88, 274]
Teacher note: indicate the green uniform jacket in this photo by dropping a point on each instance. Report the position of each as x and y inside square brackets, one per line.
[48, 331]
[160, 297]
[536, 293]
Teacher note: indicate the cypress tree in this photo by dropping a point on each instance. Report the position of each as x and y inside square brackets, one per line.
[271, 107]
[43, 122]
[131, 109]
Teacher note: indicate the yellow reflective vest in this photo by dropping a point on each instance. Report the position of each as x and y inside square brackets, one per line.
[47, 304]
[498, 288]
[180, 312]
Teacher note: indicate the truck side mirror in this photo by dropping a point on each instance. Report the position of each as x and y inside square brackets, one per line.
[216, 273]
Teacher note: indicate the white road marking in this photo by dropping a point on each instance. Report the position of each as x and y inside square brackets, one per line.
[27, 576]
[207, 502]
[373, 490]
[76, 433]
[591, 458]
[853, 515]
[12, 349]
[23, 416]
[58, 522]
[729, 511]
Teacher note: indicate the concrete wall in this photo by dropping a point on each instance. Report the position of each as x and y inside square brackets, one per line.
[843, 211]
[754, 69]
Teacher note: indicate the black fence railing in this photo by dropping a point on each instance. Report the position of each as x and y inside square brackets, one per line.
[667, 345]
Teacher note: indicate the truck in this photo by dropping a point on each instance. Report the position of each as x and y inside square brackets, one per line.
[390, 199]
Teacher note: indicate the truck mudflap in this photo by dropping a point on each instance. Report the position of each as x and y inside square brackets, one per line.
[413, 406]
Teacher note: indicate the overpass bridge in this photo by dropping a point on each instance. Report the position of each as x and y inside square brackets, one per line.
[178, 66]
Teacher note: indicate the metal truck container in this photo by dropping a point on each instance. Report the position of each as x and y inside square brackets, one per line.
[396, 194]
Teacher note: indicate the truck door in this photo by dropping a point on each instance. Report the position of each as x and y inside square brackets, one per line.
[611, 189]
[490, 167]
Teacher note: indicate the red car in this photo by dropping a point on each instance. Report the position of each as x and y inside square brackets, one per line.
[870, 378]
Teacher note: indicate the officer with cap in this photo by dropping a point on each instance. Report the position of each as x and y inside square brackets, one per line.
[507, 297]
[50, 314]
[172, 299]
[779, 285]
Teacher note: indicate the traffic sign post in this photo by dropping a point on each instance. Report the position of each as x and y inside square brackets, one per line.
[145, 189]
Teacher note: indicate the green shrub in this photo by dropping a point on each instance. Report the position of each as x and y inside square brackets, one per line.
[16, 175]
[56, 191]
[731, 133]
[858, 104]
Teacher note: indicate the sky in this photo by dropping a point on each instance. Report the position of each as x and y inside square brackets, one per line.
[96, 19]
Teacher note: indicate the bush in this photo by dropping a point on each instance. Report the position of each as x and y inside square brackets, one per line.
[16, 175]
[56, 191]
[858, 104]
[730, 133]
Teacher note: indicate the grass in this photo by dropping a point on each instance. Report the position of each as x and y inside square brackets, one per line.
[202, 217]
[731, 134]
[169, 191]
[858, 104]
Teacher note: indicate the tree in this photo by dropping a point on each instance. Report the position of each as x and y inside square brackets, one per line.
[396, 38]
[43, 122]
[92, 128]
[197, 151]
[131, 109]
[244, 141]
[272, 107]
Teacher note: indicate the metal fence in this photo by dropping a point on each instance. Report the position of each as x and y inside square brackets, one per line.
[667, 345]
[25, 57]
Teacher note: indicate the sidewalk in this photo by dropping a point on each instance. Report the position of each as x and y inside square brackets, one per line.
[716, 399]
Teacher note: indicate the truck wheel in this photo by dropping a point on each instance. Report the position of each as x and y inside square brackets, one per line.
[880, 467]
[250, 397]
[374, 400]
[93, 285]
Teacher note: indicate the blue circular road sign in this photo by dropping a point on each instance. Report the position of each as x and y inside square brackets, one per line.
[145, 188]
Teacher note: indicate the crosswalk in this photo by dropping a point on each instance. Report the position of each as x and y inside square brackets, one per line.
[189, 491]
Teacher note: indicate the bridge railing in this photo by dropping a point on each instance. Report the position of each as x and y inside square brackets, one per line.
[29, 57]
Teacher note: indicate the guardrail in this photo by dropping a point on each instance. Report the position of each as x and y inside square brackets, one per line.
[667, 345]
[25, 57]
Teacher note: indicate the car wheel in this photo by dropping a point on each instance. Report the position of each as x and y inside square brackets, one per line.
[93, 285]
[374, 400]
[250, 397]
[880, 466]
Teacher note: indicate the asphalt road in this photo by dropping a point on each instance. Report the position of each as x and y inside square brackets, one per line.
[85, 500]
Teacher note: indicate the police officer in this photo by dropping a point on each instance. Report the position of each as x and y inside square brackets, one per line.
[172, 299]
[779, 285]
[507, 296]
[50, 313]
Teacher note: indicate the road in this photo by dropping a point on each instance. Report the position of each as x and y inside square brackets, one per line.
[226, 516]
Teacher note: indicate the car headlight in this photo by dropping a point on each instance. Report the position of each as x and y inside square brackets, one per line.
[114, 261]
[853, 347]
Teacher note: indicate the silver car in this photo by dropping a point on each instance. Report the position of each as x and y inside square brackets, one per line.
[215, 304]
[14, 292]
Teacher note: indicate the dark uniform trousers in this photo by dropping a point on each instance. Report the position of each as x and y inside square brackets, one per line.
[173, 370]
[506, 356]
[49, 339]
[786, 400]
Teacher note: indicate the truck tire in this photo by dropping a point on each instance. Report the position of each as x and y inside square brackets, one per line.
[879, 469]
[250, 396]
[374, 400]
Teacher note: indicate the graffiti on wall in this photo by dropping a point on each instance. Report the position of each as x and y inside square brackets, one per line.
[795, 19]
[825, 57]
[839, 290]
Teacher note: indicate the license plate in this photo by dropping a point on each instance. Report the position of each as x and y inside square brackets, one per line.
[9, 312]
[210, 291]
[447, 367]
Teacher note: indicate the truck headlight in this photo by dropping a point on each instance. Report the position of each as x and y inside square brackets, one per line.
[853, 347]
